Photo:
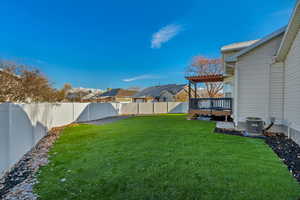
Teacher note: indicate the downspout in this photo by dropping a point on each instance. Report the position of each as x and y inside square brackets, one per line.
[272, 119]
[235, 100]
[284, 100]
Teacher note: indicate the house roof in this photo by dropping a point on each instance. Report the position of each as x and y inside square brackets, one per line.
[290, 34]
[256, 44]
[90, 96]
[156, 91]
[118, 92]
[237, 46]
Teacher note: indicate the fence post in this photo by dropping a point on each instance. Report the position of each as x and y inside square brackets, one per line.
[167, 107]
[88, 108]
[73, 107]
[153, 109]
[119, 108]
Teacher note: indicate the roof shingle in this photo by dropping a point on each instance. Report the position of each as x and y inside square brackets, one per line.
[118, 92]
[156, 91]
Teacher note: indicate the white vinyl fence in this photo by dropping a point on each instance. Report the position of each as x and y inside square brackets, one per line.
[23, 125]
[153, 108]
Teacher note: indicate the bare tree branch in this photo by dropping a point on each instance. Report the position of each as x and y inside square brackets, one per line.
[19, 84]
[202, 66]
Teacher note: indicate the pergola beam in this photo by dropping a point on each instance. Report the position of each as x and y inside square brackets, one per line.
[206, 78]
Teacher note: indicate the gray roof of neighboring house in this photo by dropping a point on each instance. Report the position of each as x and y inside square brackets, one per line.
[256, 44]
[118, 92]
[90, 96]
[110, 93]
[156, 91]
[237, 46]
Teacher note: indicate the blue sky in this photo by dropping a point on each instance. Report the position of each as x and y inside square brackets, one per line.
[117, 43]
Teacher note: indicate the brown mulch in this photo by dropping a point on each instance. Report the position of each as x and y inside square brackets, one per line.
[18, 182]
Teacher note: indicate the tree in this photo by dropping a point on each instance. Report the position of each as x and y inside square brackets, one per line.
[9, 85]
[202, 66]
[62, 94]
[20, 84]
[36, 87]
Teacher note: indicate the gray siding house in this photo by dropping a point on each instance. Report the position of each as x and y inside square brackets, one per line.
[162, 93]
[264, 76]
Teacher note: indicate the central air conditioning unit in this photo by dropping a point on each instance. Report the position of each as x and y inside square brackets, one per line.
[254, 125]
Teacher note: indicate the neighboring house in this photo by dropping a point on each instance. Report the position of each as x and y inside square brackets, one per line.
[91, 97]
[163, 93]
[116, 95]
[83, 94]
[265, 76]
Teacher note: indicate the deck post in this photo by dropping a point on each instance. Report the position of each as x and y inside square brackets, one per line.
[195, 92]
[190, 91]
[211, 106]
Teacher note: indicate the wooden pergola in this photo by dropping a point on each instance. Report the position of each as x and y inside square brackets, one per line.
[212, 106]
[202, 79]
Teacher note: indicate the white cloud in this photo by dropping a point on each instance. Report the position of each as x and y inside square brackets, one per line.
[142, 77]
[164, 35]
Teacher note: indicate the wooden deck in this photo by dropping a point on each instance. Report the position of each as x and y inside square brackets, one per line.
[210, 107]
[211, 112]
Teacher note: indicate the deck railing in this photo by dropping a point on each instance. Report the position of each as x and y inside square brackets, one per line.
[218, 104]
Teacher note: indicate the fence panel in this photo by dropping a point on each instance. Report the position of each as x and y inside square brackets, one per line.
[4, 137]
[102, 110]
[21, 134]
[177, 107]
[62, 114]
[146, 108]
[160, 107]
[129, 109]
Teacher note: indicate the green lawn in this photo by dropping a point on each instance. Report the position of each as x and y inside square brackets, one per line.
[162, 157]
